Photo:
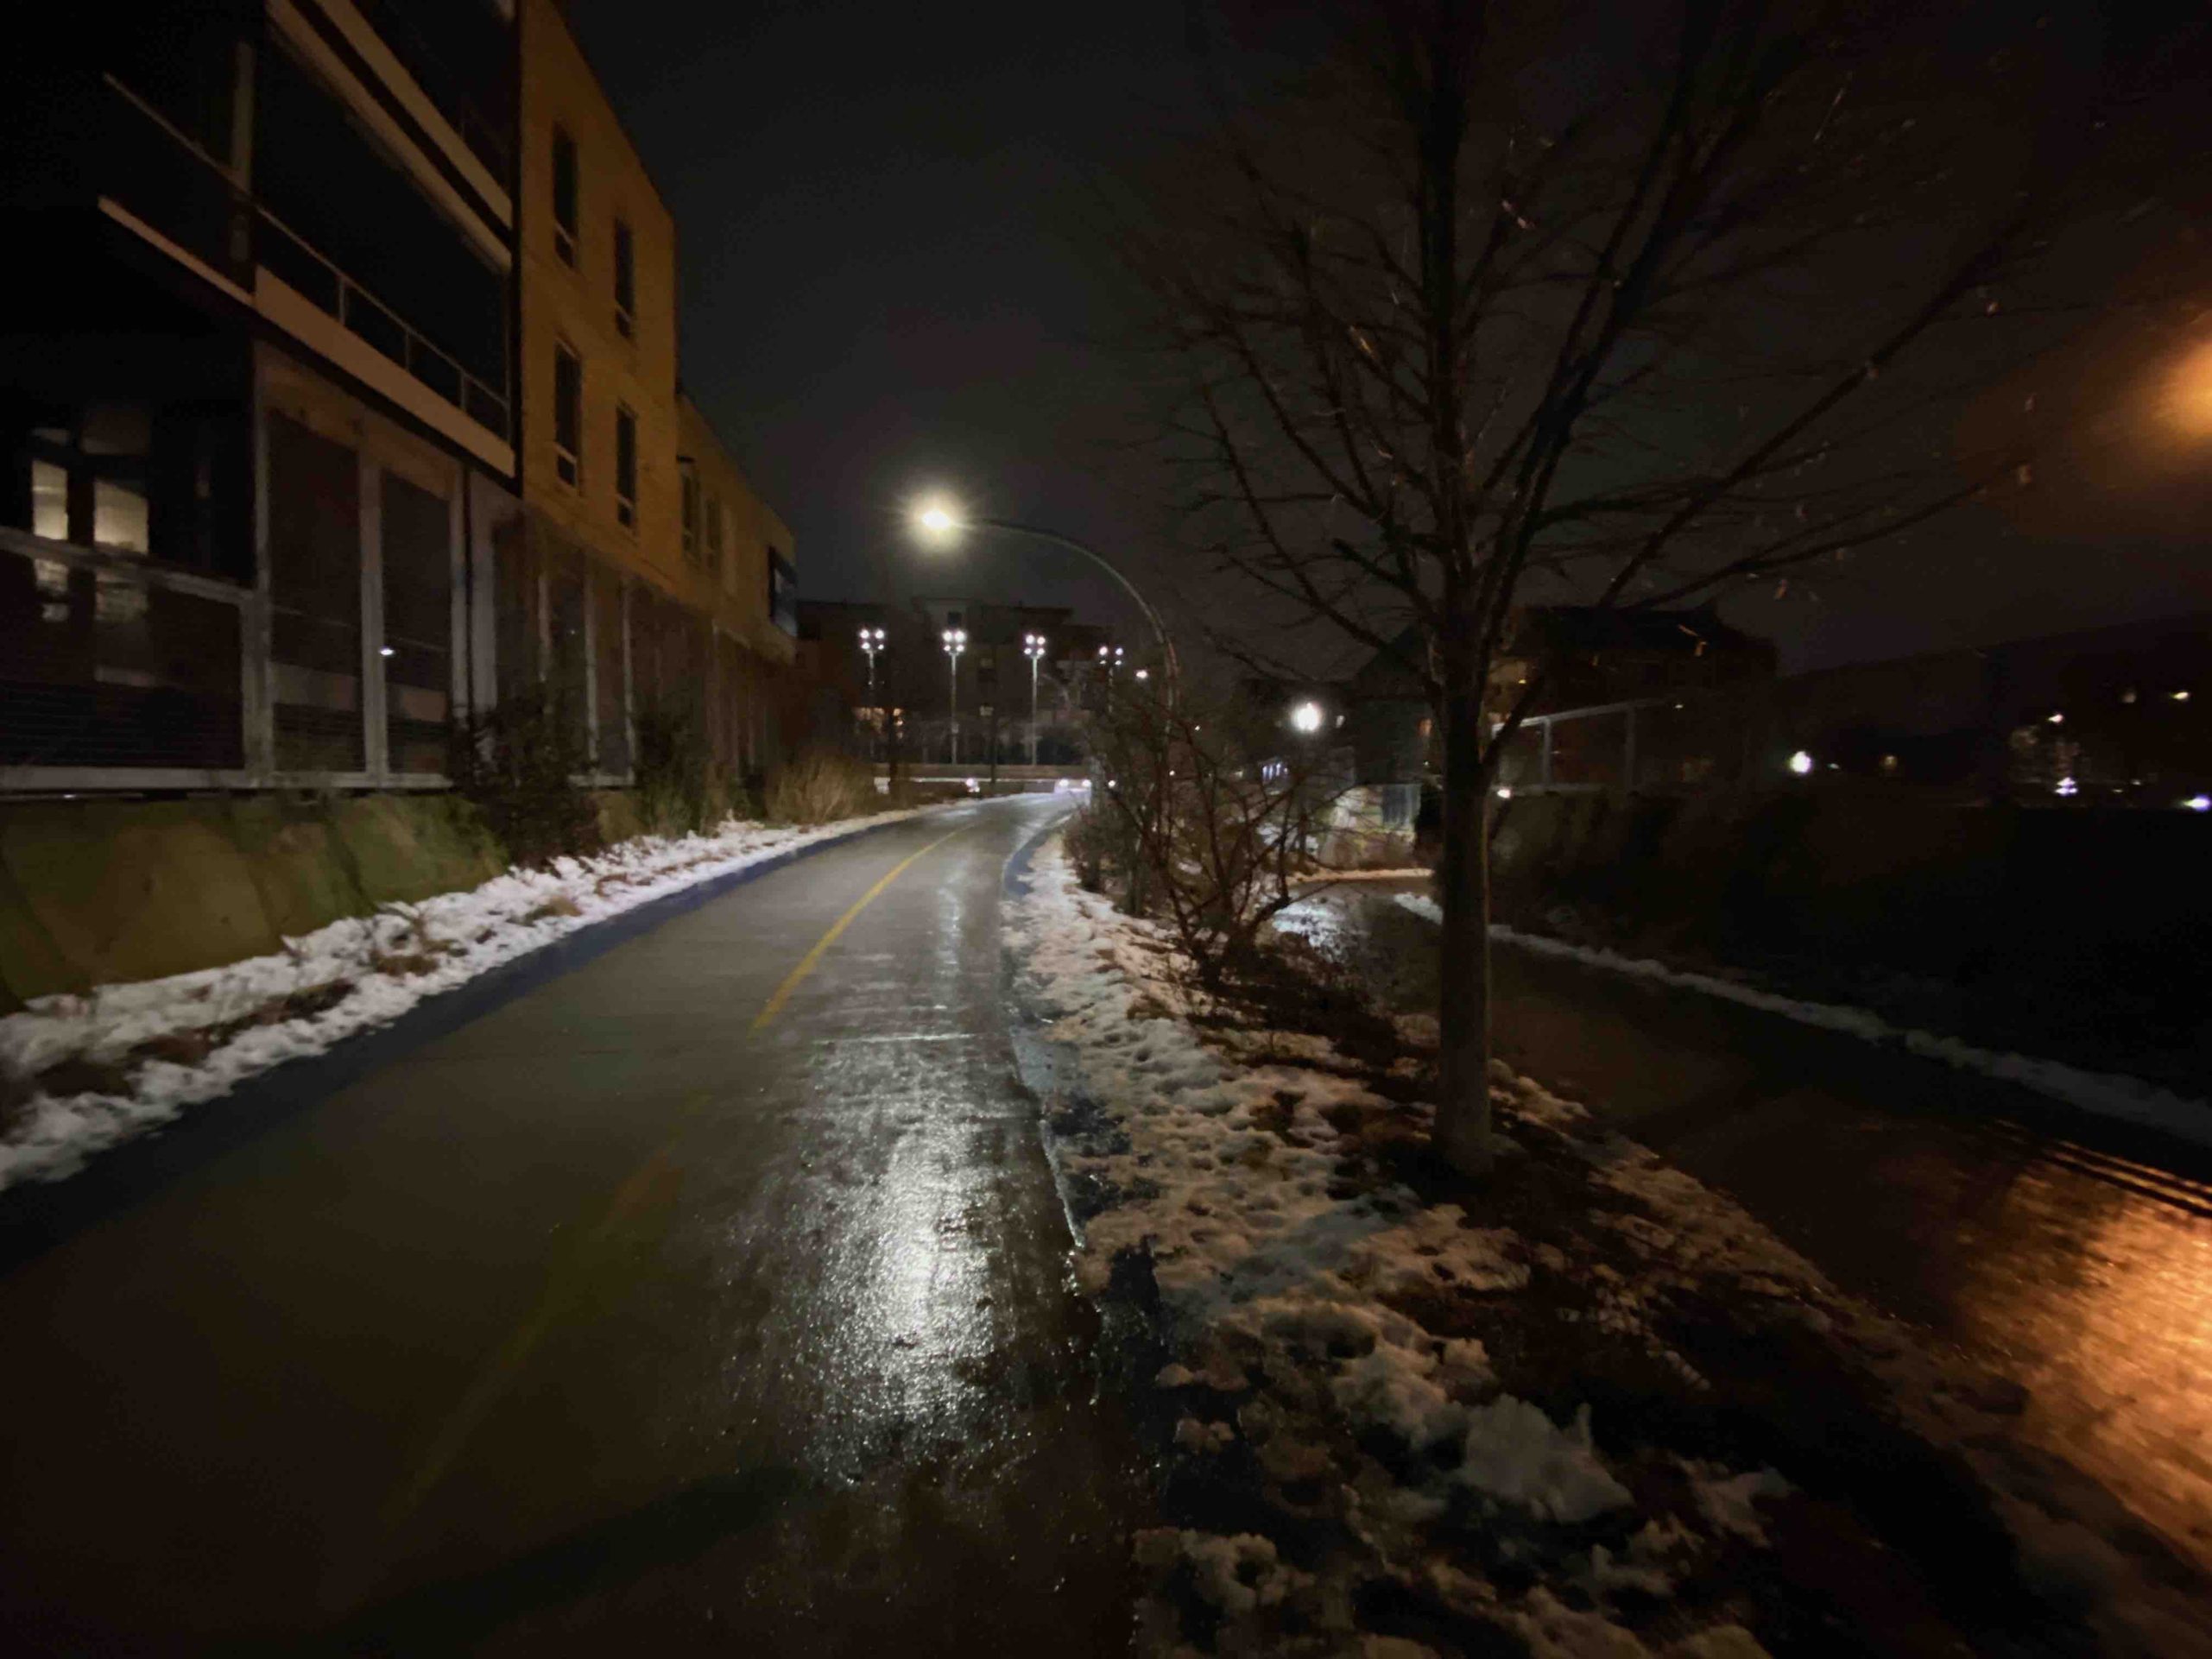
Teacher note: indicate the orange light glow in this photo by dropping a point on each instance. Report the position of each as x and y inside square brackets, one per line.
[2189, 392]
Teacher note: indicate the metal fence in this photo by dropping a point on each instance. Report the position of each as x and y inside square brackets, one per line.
[1657, 743]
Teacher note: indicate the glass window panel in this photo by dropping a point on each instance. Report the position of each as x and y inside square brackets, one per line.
[119, 515]
[50, 502]
[314, 546]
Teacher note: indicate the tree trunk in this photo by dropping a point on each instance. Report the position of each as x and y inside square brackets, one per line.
[1463, 1123]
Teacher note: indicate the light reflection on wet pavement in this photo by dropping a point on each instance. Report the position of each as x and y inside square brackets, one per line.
[606, 1323]
[2076, 1258]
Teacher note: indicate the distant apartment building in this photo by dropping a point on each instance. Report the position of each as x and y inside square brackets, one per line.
[339, 400]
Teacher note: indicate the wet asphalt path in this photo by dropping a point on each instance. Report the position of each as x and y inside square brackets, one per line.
[673, 1307]
[2071, 1255]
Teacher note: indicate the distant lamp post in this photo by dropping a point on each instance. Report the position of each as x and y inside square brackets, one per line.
[1306, 718]
[956, 641]
[1110, 659]
[871, 641]
[1801, 764]
[1032, 646]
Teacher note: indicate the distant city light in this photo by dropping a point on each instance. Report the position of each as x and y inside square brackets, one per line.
[384, 651]
[1505, 791]
[2059, 720]
[1801, 763]
[2067, 786]
[2199, 803]
[1306, 717]
[2181, 697]
[1144, 673]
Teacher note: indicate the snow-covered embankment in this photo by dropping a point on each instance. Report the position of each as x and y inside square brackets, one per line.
[95, 1069]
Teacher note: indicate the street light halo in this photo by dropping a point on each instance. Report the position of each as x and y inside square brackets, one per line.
[938, 519]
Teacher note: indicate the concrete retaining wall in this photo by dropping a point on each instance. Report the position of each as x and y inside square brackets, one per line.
[98, 891]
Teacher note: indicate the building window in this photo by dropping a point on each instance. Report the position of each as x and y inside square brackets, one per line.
[626, 467]
[625, 280]
[783, 593]
[568, 415]
[563, 195]
[714, 534]
[691, 513]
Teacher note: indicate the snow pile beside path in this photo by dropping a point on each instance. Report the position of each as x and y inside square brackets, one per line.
[1285, 1282]
[2106, 1094]
[122, 1059]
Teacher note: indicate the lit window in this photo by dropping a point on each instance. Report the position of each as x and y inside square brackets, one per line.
[563, 195]
[625, 280]
[568, 415]
[50, 502]
[119, 515]
[626, 467]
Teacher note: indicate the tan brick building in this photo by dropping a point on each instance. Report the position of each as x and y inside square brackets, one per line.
[737, 554]
[343, 405]
[637, 614]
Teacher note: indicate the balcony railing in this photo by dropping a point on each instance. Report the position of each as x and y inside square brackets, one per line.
[167, 181]
[441, 83]
[289, 257]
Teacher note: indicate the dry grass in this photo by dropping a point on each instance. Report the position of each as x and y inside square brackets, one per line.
[820, 787]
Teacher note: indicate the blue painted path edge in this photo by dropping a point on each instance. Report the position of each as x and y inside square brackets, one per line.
[36, 1215]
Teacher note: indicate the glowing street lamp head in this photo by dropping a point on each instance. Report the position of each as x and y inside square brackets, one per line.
[1306, 717]
[937, 519]
[1801, 763]
[956, 640]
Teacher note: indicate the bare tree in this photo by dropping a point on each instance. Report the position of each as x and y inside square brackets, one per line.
[1625, 305]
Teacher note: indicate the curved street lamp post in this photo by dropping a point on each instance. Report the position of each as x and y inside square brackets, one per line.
[939, 521]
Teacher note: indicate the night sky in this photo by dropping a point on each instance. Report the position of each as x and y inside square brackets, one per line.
[894, 277]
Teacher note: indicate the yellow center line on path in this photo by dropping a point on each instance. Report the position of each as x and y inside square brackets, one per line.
[807, 964]
[561, 1290]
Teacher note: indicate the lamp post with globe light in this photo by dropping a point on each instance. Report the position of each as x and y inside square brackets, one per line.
[1032, 646]
[956, 641]
[1110, 659]
[871, 641]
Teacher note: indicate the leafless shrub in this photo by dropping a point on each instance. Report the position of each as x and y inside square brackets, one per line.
[819, 786]
[1212, 825]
